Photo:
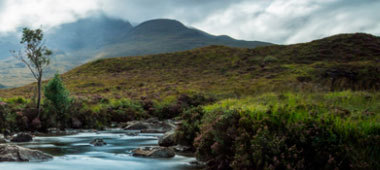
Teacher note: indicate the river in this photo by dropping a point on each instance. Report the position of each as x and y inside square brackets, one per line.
[74, 152]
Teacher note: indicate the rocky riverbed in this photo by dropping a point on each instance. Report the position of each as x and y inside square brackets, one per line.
[76, 152]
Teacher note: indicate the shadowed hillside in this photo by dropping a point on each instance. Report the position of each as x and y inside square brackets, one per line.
[2, 86]
[102, 37]
[347, 61]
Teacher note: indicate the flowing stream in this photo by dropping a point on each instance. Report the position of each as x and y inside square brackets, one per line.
[74, 152]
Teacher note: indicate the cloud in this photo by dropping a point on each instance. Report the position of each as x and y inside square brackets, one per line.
[292, 21]
[34, 13]
[278, 21]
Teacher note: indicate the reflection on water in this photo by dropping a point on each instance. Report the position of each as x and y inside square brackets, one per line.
[75, 153]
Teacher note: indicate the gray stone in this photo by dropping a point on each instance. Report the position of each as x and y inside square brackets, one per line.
[168, 139]
[154, 152]
[197, 164]
[14, 153]
[151, 126]
[22, 137]
[182, 149]
[133, 132]
[98, 142]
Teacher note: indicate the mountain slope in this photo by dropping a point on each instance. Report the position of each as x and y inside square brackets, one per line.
[2, 86]
[164, 35]
[227, 71]
[102, 37]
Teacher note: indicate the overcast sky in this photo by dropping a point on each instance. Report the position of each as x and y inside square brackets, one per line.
[277, 21]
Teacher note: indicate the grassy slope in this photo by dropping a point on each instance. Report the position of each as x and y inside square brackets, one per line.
[347, 61]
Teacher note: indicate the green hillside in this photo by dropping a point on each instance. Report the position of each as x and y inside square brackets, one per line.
[347, 61]
[310, 106]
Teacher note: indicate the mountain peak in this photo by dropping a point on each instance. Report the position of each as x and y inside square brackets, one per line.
[160, 26]
[163, 22]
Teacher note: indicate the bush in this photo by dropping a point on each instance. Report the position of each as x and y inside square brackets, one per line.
[125, 110]
[183, 102]
[57, 102]
[12, 118]
[17, 100]
[190, 127]
[233, 139]
[270, 59]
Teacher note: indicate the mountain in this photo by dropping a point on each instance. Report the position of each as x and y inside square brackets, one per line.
[164, 35]
[2, 86]
[345, 61]
[89, 33]
[103, 37]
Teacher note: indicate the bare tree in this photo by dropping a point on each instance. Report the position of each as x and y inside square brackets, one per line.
[35, 55]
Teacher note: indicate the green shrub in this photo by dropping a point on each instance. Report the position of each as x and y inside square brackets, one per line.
[190, 127]
[125, 110]
[57, 102]
[282, 139]
[270, 59]
[16, 100]
[183, 102]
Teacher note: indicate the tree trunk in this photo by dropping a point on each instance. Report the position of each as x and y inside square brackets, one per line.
[39, 96]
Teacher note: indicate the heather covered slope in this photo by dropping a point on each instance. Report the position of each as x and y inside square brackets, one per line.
[346, 61]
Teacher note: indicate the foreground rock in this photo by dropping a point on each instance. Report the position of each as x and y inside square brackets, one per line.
[132, 133]
[182, 149]
[198, 164]
[151, 126]
[14, 153]
[167, 140]
[98, 142]
[22, 137]
[154, 152]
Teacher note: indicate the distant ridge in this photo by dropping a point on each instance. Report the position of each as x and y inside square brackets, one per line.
[2, 86]
[97, 37]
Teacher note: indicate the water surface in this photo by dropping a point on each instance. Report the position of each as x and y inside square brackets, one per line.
[74, 152]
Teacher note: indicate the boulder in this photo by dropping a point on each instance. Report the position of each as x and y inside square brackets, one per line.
[182, 149]
[98, 142]
[14, 153]
[154, 152]
[22, 137]
[168, 139]
[132, 132]
[197, 164]
[151, 126]
[2, 140]
[138, 126]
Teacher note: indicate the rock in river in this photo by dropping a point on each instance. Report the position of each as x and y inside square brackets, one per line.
[98, 142]
[151, 126]
[167, 140]
[14, 153]
[154, 152]
[22, 137]
[132, 132]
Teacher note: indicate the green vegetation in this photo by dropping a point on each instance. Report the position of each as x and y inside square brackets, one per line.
[57, 102]
[35, 56]
[284, 131]
[332, 63]
[305, 106]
